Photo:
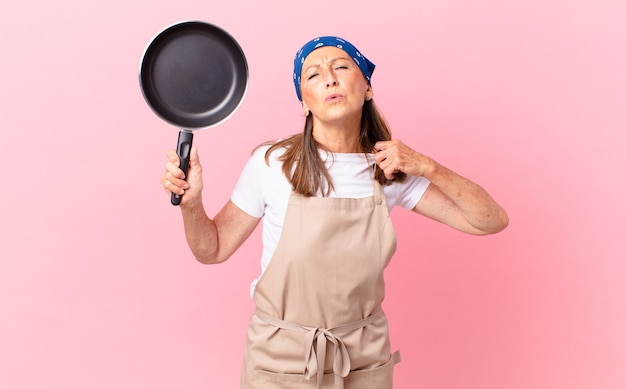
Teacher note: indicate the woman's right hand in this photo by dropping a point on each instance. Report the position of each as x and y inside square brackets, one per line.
[173, 179]
[210, 240]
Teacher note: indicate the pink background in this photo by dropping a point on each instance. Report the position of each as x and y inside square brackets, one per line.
[98, 288]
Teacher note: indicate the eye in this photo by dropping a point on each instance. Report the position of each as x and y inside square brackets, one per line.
[342, 67]
[312, 76]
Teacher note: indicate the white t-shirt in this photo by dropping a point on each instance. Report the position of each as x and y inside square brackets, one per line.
[263, 191]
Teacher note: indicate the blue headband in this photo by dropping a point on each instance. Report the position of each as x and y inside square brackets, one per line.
[366, 66]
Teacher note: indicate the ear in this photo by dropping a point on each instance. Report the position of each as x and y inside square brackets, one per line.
[305, 110]
[369, 93]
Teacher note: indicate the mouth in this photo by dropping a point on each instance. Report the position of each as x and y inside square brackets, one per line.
[332, 98]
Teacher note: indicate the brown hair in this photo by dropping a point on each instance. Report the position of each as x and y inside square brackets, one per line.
[310, 175]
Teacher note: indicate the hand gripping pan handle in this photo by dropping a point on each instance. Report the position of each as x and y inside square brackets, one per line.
[183, 149]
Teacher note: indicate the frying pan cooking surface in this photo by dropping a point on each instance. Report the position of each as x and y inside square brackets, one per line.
[193, 75]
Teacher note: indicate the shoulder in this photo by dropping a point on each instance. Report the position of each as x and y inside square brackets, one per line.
[264, 167]
[263, 154]
[257, 162]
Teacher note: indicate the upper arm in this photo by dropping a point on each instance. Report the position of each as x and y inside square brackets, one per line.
[234, 226]
[437, 206]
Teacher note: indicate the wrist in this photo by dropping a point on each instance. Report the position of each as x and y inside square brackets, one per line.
[192, 207]
[432, 170]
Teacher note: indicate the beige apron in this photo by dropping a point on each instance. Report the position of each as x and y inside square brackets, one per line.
[318, 322]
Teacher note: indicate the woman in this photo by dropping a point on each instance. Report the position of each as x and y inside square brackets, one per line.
[325, 196]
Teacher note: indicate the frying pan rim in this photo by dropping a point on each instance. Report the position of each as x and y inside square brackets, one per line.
[213, 26]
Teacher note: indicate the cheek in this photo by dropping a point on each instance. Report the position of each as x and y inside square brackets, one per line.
[308, 92]
[356, 83]
[306, 97]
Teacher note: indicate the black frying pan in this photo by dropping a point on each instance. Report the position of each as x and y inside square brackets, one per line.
[193, 75]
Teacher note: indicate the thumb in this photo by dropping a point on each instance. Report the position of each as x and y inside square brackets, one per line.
[194, 158]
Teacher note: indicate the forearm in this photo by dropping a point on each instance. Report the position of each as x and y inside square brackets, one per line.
[201, 233]
[470, 200]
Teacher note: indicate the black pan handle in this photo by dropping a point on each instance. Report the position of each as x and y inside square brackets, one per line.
[183, 149]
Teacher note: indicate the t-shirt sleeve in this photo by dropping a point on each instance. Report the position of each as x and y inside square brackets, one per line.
[411, 191]
[248, 192]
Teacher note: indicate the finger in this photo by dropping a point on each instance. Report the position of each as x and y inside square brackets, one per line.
[391, 165]
[173, 165]
[388, 156]
[176, 180]
[173, 156]
[193, 155]
[164, 185]
[385, 167]
[177, 191]
[380, 156]
[174, 170]
[174, 185]
[378, 147]
[388, 173]
[382, 145]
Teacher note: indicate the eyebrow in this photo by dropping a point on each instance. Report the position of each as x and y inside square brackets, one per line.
[331, 61]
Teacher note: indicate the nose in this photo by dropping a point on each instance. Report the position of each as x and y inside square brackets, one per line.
[331, 80]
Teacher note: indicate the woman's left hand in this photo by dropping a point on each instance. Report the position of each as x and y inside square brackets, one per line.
[450, 198]
[394, 156]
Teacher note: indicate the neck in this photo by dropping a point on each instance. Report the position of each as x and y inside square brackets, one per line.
[338, 139]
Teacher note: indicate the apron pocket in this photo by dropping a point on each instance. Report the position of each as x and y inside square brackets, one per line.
[259, 379]
[380, 377]
[376, 378]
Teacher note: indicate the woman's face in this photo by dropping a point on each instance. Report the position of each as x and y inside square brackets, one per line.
[332, 85]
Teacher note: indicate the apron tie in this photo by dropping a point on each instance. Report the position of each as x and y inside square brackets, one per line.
[315, 365]
[314, 362]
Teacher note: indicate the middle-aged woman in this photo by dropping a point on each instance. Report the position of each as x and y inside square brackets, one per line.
[324, 196]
